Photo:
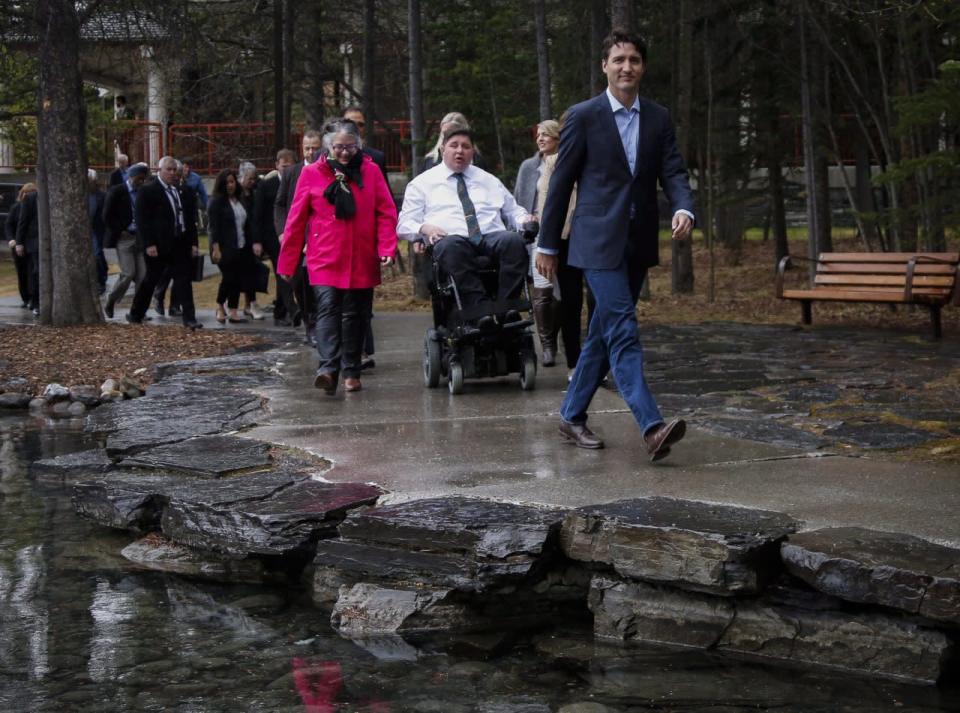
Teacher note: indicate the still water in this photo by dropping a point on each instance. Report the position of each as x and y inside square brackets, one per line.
[83, 630]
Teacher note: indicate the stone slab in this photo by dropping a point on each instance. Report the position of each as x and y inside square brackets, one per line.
[69, 467]
[288, 520]
[123, 502]
[157, 553]
[850, 641]
[871, 567]
[456, 524]
[879, 434]
[693, 545]
[205, 456]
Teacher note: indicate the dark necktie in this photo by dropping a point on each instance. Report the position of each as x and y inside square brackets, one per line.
[469, 212]
[178, 209]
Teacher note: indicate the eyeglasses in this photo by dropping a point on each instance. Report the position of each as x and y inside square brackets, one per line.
[344, 148]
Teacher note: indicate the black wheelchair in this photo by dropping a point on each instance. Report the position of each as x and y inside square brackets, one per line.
[459, 348]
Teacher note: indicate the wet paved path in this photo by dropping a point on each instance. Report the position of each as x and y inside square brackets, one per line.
[832, 426]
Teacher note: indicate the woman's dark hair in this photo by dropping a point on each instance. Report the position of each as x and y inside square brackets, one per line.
[220, 184]
[620, 36]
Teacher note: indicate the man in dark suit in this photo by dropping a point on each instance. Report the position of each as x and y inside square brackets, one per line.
[119, 174]
[300, 284]
[265, 234]
[166, 217]
[28, 245]
[615, 148]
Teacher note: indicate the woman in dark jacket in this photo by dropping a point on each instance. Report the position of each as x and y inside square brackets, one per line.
[231, 243]
[22, 263]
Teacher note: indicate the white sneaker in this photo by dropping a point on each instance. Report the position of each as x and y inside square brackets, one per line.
[254, 311]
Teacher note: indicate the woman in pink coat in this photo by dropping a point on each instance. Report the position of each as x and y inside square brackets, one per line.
[344, 211]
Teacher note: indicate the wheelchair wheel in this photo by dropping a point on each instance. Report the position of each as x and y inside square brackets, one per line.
[455, 379]
[528, 373]
[431, 360]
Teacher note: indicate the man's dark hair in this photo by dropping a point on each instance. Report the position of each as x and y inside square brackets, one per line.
[620, 36]
[457, 130]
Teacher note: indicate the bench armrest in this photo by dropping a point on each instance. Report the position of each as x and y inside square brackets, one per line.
[911, 268]
[782, 268]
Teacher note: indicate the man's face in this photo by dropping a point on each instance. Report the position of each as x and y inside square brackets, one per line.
[283, 164]
[624, 68]
[458, 152]
[311, 144]
[357, 118]
[168, 174]
[185, 172]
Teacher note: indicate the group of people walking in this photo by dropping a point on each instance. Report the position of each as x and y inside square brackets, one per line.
[328, 222]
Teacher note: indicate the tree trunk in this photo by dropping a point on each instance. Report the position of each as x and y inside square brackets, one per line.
[543, 59]
[808, 141]
[419, 265]
[369, 62]
[68, 279]
[621, 14]
[289, 23]
[598, 28]
[681, 267]
[313, 100]
[279, 124]
[865, 198]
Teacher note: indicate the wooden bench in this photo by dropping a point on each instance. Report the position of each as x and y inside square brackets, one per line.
[928, 279]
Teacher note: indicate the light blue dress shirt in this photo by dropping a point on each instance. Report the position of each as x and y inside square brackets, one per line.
[628, 124]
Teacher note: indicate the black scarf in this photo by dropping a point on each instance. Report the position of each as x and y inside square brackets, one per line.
[338, 192]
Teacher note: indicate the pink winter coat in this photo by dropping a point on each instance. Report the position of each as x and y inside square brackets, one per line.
[340, 253]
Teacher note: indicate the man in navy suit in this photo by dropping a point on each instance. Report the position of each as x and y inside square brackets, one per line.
[615, 148]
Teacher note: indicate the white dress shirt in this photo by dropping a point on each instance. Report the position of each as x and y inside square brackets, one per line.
[432, 198]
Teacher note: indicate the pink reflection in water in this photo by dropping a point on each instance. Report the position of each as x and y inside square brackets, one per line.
[318, 682]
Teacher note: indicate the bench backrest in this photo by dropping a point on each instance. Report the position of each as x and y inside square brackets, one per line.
[930, 276]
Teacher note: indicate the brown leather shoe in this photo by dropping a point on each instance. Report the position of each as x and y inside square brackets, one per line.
[352, 384]
[326, 381]
[581, 436]
[660, 438]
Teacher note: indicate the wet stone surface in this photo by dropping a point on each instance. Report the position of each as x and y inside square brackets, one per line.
[280, 521]
[800, 373]
[861, 642]
[71, 466]
[870, 567]
[694, 545]
[206, 456]
[872, 433]
[158, 553]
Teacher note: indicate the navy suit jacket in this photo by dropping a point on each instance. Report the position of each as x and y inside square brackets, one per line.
[591, 156]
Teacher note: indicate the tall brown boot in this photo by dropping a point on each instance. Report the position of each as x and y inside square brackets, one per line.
[544, 313]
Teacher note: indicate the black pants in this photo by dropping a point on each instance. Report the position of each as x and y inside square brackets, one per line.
[22, 265]
[180, 266]
[342, 317]
[457, 256]
[305, 296]
[236, 275]
[570, 280]
[284, 305]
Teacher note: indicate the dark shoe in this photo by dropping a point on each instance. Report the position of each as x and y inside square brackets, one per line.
[352, 384]
[133, 320]
[193, 325]
[158, 306]
[108, 310]
[175, 311]
[660, 438]
[297, 318]
[367, 362]
[581, 436]
[327, 381]
[549, 358]
[610, 384]
[282, 322]
[486, 324]
[511, 316]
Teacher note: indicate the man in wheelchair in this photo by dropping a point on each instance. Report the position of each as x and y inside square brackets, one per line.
[459, 210]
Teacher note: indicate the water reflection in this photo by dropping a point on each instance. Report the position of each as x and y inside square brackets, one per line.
[83, 630]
